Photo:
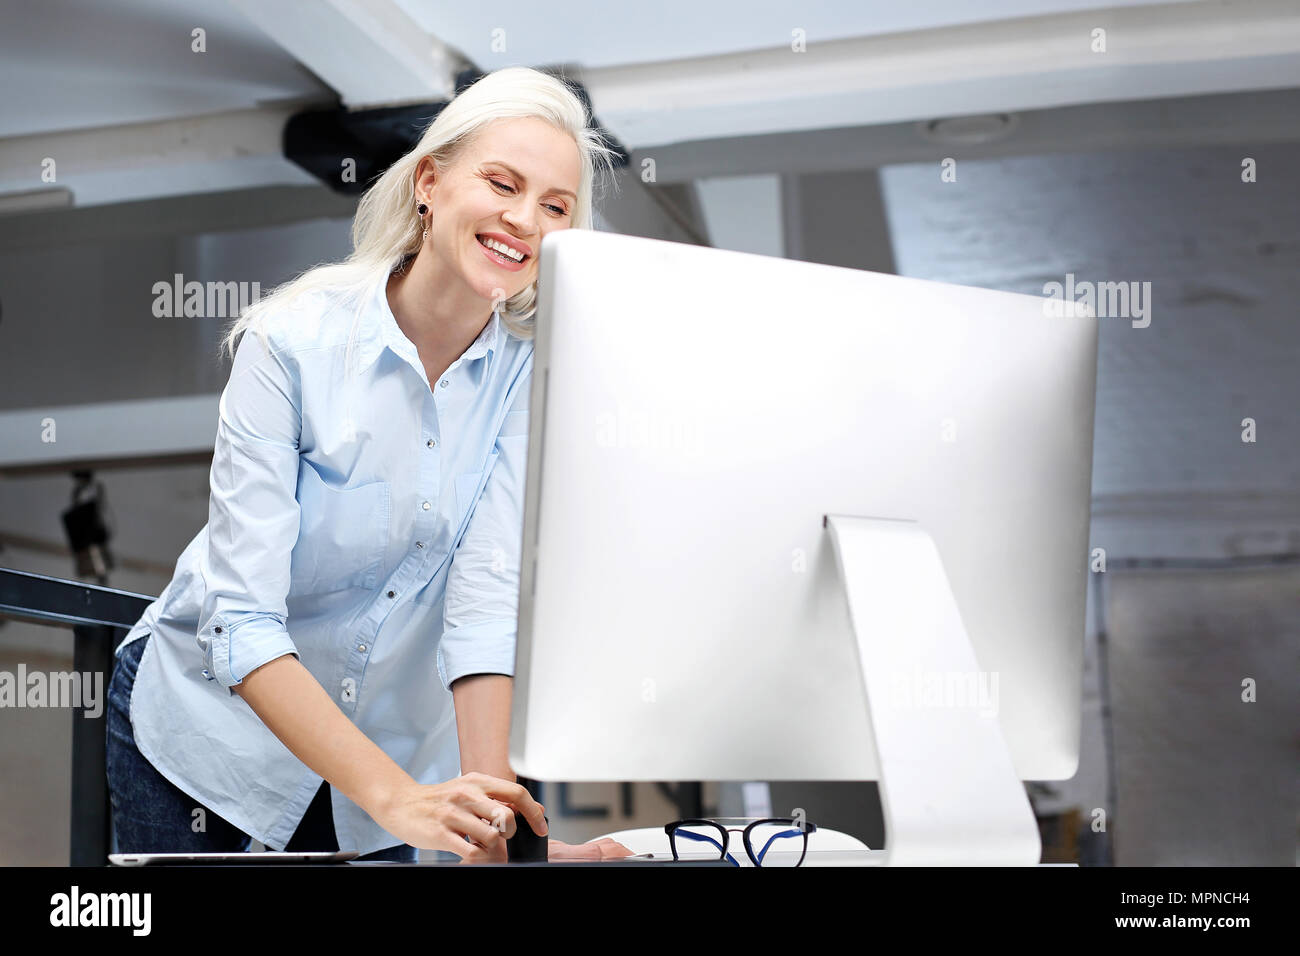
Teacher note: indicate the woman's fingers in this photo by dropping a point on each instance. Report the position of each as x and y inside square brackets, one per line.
[611, 849]
[498, 815]
[471, 839]
[471, 816]
[515, 795]
[466, 824]
[469, 853]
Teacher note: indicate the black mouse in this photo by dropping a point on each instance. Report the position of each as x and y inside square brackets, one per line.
[526, 846]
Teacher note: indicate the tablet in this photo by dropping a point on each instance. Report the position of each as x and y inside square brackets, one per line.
[219, 859]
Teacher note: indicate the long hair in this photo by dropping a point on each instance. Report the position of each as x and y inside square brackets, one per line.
[386, 232]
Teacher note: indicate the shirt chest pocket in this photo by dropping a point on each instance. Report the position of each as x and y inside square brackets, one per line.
[469, 487]
[342, 534]
[465, 492]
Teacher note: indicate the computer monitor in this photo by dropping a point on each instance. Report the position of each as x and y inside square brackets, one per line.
[788, 521]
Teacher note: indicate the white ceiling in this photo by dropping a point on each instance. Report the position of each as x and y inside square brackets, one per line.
[114, 94]
[76, 64]
[595, 33]
[79, 64]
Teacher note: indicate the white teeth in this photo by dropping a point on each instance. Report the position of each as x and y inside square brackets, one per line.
[502, 248]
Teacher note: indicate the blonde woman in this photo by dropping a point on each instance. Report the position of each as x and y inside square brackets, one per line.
[331, 664]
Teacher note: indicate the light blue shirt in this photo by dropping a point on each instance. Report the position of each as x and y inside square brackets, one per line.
[371, 526]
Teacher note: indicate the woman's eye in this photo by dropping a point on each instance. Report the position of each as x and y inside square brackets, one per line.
[559, 210]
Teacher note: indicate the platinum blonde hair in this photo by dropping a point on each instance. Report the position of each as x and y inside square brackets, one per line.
[386, 230]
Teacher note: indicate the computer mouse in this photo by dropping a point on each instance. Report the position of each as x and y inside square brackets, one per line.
[526, 846]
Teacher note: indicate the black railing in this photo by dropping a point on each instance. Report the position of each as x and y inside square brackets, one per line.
[99, 617]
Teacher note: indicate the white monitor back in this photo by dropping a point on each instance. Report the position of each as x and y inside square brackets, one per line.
[695, 414]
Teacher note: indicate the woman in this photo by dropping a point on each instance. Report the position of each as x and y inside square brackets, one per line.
[337, 643]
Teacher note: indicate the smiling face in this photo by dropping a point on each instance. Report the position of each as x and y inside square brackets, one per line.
[516, 181]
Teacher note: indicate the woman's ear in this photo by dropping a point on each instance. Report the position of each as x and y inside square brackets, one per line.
[427, 176]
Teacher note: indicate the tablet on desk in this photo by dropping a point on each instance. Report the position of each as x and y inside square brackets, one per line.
[218, 859]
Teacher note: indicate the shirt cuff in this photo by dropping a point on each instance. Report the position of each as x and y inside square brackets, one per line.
[228, 658]
[485, 648]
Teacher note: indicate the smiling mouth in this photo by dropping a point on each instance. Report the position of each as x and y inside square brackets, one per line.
[501, 256]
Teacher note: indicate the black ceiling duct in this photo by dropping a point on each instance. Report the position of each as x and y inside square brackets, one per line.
[321, 140]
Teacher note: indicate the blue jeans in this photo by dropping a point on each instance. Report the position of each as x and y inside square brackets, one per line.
[153, 815]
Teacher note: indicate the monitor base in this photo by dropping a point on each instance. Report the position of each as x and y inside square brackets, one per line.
[948, 789]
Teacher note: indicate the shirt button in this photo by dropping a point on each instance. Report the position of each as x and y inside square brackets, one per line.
[361, 647]
[419, 544]
[430, 443]
[426, 506]
[206, 674]
[443, 383]
[217, 629]
[392, 593]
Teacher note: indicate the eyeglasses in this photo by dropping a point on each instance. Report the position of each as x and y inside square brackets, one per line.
[771, 841]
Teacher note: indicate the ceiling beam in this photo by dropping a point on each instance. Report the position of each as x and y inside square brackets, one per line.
[170, 216]
[1246, 118]
[370, 51]
[156, 431]
[1010, 65]
[110, 164]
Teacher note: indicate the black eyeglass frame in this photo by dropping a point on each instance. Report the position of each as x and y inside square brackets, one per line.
[803, 826]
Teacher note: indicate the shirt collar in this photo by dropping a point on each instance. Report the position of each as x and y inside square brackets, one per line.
[380, 331]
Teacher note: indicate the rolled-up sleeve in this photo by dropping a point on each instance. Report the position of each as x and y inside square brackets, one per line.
[480, 620]
[253, 514]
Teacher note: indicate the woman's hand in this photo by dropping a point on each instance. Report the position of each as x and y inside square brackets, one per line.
[441, 816]
[602, 849]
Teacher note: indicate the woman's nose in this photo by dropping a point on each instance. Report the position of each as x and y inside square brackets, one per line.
[523, 226]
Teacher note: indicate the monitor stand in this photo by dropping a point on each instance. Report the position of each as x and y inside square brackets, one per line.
[948, 789]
